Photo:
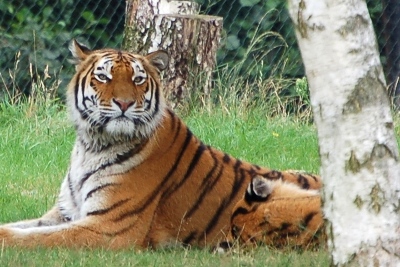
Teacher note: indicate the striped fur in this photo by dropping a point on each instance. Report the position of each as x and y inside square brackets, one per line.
[277, 214]
[138, 177]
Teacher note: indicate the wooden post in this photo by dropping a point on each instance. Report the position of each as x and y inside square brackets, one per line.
[190, 39]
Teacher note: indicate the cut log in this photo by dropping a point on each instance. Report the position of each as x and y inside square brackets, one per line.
[191, 40]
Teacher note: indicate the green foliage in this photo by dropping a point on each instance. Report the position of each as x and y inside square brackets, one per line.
[39, 31]
[262, 25]
[248, 22]
[259, 44]
[276, 95]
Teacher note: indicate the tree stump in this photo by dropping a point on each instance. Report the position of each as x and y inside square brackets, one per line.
[191, 40]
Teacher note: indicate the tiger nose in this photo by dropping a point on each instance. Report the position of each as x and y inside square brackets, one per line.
[123, 104]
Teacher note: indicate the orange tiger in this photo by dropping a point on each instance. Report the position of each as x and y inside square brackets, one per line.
[138, 177]
[277, 214]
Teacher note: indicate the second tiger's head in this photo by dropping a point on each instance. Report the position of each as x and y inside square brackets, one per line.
[116, 92]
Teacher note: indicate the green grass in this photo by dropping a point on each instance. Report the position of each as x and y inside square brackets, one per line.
[175, 257]
[35, 145]
[279, 143]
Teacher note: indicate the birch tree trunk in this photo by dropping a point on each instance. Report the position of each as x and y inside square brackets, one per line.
[358, 149]
[191, 40]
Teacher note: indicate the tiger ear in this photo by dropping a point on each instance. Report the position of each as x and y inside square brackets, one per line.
[159, 59]
[260, 187]
[79, 51]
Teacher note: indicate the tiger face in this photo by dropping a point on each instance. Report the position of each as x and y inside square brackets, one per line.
[119, 97]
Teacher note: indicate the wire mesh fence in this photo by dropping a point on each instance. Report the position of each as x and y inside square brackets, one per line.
[34, 35]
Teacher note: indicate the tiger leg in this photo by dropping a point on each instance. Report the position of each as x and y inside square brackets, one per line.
[52, 217]
[83, 233]
[86, 232]
[110, 230]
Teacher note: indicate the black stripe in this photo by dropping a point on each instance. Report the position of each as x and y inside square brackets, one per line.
[91, 192]
[240, 211]
[178, 129]
[263, 224]
[243, 211]
[252, 172]
[273, 175]
[161, 186]
[307, 219]
[238, 181]
[314, 177]
[71, 190]
[207, 185]
[199, 152]
[77, 90]
[120, 158]
[155, 91]
[187, 240]
[106, 210]
[83, 87]
[90, 230]
[226, 158]
[109, 234]
[189, 136]
[123, 230]
[237, 165]
[303, 181]
[108, 54]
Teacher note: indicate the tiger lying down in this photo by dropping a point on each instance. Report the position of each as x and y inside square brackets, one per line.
[277, 214]
[139, 178]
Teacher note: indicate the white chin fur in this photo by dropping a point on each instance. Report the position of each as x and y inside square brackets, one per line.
[121, 127]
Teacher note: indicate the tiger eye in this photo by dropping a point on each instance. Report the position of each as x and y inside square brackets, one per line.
[102, 77]
[138, 80]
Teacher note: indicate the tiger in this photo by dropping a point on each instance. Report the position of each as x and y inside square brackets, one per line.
[138, 177]
[276, 214]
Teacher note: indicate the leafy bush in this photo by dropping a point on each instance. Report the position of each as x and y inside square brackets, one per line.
[257, 32]
[258, 39]
[39, 31]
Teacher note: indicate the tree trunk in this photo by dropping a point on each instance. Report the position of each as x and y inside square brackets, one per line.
[190, 39]
[358, 149]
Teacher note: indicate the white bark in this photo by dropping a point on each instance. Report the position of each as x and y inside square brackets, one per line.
[179, 7]
[358, 149]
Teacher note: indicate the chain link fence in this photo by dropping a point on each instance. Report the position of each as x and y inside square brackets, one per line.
[34, 36]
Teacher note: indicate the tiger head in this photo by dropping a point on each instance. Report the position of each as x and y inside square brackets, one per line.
[114, 95]
[277, 214]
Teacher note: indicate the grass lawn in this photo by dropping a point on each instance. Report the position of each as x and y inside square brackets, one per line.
[35, 147]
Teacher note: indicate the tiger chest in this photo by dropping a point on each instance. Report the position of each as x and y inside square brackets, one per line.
[84, 187]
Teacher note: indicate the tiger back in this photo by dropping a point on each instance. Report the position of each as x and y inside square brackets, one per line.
[138, 177]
